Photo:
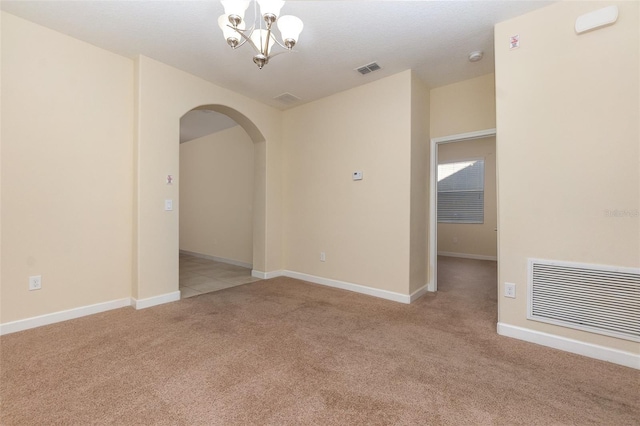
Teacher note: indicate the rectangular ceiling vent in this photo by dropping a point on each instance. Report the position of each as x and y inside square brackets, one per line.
[366, 69]
[598, 299]
[287, 98]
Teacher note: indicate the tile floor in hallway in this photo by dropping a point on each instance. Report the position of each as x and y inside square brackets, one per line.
[199, 275]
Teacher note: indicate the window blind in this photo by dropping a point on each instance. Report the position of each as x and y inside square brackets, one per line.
[461, 192]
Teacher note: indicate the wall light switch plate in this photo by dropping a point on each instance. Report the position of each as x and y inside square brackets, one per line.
[168, 205]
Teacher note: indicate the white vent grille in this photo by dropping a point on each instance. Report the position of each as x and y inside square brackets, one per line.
[599, 299]
[366, 69]
[287, 98]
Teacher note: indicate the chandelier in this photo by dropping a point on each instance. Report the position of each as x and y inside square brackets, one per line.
[260, 36]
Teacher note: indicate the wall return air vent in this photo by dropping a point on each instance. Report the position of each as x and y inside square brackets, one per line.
[598, 299]
[366, 69]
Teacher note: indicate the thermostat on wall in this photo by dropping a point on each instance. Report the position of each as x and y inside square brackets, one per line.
[357, 175]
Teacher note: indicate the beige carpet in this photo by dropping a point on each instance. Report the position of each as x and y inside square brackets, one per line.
[286, 352]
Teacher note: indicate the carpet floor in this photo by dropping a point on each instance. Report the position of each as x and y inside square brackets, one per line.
[286, 352]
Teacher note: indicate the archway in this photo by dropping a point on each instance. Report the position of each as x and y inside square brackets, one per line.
[216, 196]
[164, 95]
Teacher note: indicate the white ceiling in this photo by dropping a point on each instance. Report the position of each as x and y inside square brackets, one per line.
[202, 122]
[433, 38]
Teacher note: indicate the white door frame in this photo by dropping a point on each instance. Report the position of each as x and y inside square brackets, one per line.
[433, 193]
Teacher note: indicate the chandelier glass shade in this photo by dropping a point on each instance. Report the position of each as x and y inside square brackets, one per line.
[260, 35]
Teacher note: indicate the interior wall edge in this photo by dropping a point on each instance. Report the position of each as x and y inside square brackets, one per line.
[149, 302]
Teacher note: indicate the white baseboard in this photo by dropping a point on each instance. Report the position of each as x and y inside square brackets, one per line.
[467, 256]
[419, 293]
[357, 288]
[83, 311]
[383, 294]
[155, 300]
[39, 321]
[217, 259]
[266, 275]
[603, 353]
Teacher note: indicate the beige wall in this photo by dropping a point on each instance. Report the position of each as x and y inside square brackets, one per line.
[67, 179]
[362, 226]
[472, 239]
[88, 138]
[216, 195]
[467, 106]
[568, 148]
[164, 95]
[143, 102]
[1, 180]
[419, 271]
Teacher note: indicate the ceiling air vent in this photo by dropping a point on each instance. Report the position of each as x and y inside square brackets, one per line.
[366, 69]
[287, 98]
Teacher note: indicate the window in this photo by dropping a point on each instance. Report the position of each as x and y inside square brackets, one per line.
[461, 192]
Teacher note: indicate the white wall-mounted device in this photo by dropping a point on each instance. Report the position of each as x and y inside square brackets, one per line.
[357, 175]
[596, 19]
[35, 282]
[510, 290]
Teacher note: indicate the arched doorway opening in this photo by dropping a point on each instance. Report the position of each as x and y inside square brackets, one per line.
[217, 188]
[165, 94]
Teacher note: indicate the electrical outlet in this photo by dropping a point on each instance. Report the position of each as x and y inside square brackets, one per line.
[323, 257]
[510, 290]
[35, 282]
